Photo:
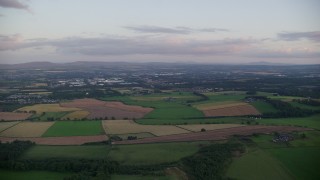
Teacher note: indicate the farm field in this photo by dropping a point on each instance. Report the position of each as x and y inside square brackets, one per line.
[6, 125]
[27, 129]
[27, 175]
[106, 110]
[237, 110]
[143, 154]
[128, 126]
[74, 128]
[263, 107]
[76, 115]
[218, 105]
[49, 116]
[40, 108]
[67, 152]
[257, 165]
[138, 135]
[310, 122]
[302, 162]
[67, 140]
[13, 116]
[207, 127]
[165, 112]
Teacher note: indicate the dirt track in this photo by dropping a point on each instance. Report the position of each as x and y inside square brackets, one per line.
[219, 134]
[72, 140]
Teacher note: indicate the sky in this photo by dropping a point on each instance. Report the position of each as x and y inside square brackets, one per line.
[204, 31]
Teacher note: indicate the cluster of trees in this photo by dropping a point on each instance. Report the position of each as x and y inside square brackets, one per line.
[10, 151]
[210, 161]
[202, 98]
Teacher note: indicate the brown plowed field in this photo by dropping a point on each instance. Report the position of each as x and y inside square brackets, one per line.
[219, 134]
[102, 109]
[239, 110]
[74, 140]
[13, 116]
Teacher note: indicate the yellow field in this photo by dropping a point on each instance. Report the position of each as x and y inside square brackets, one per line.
[5, 125]
[40, 108]
[129, 126]
[208, 127]
[76, 115]
[218, 105]
[27, 129]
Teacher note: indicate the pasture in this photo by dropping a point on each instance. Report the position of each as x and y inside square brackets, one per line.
[128, 127]
[27, 129]
[144, 154]
[67, 152]
[74, 128]
[302, 162]
[257, 164]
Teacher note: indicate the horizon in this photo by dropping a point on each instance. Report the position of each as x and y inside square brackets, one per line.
[206, 32]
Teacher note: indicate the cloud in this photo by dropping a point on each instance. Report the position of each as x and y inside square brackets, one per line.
[151, 45]
[284, 53]
[294, 36]
[13, 4]
[141, 45]
[175, 30]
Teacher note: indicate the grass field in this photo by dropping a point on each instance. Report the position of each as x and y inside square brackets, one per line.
[6, 125]
[153, 153]
[311, 122]
[40, 108]
[303, 162]
[74, 128]
[67, 152]
[128, 126]
[27, 129]
[304, 106]
[76, 115]
[263, 107]
[35, 175]
[257, 165]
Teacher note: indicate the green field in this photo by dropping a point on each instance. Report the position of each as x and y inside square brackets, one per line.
[142, 154]
[304, 106]
[303, 162]
[74, 128]
[67, 152]
[257, 165]
[34, 175]
[311, 122]
[263, 107]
